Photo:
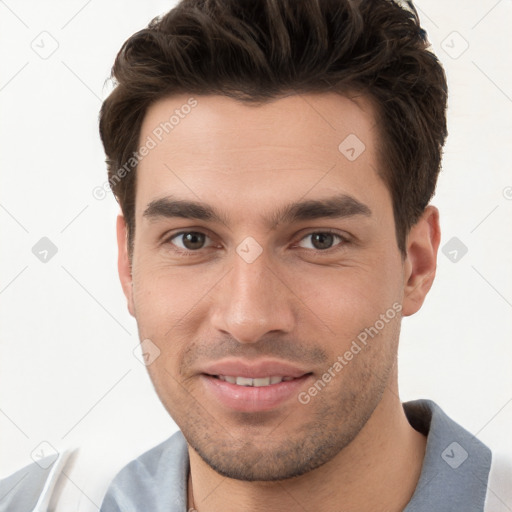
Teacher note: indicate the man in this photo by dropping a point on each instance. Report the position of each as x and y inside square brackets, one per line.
[274, 163]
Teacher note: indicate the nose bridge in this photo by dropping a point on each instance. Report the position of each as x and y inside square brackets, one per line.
[252, 301]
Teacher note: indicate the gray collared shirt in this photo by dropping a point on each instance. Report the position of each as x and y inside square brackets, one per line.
[453, 477]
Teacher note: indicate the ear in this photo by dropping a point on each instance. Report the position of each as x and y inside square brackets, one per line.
[421, 260]
[123, 262]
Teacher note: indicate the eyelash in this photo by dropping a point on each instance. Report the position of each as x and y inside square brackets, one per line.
[343, 240]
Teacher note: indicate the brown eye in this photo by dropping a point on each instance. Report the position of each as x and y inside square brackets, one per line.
[322, 241]
[190, 240]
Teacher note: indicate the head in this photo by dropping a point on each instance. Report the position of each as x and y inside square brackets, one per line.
[274, 163]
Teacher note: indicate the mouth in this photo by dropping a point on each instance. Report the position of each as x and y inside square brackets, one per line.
[257, 382]
[264, 386]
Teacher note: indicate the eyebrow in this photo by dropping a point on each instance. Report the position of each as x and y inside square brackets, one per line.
[335, 207]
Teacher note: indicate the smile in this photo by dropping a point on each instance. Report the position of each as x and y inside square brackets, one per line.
[253, 394]
[255, 382]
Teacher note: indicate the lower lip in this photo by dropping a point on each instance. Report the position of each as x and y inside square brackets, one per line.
[250, 398]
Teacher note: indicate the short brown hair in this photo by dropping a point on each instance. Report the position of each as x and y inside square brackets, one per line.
[259, 50]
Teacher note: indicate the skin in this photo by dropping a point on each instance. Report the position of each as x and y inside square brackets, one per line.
[351, 447]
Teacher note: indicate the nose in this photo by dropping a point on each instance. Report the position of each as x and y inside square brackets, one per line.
[252, 301]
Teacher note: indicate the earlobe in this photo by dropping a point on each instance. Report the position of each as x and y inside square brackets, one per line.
[124, 263]
[421, 260]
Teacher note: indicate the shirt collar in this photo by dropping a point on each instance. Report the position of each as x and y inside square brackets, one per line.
[456, 465]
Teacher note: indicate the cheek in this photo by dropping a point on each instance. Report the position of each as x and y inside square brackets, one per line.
[168, 302]
[164, 295]
[348, 300]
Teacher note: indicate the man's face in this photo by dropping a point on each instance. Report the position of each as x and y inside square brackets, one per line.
[286, 256]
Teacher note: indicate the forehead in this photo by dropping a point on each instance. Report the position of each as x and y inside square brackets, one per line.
[206, 147]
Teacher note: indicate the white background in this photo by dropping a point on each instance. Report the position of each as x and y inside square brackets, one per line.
[68, 375]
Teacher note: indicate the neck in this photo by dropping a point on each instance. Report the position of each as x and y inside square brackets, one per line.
[379, 469]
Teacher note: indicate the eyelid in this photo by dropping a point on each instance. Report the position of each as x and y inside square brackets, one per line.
[344, 239]
[168, 239]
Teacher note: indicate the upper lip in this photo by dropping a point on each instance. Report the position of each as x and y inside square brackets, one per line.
[255, 369]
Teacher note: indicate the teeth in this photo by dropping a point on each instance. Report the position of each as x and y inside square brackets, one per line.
[257, 382]
[244, 381]
[261, 382]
